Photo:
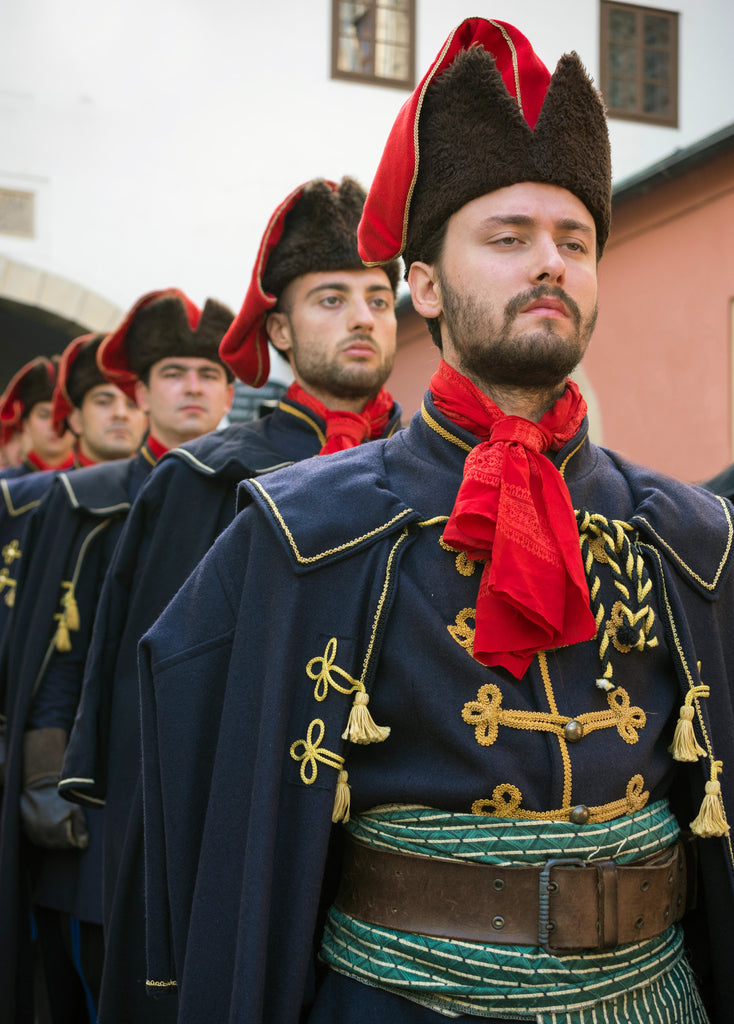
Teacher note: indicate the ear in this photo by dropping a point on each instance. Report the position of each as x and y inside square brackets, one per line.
[142, 399]
[74, 422]
[425, 290]
[278, 327]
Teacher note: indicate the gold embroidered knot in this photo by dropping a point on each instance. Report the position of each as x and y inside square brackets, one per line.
[463, 631]
[629, 720]
[11, 551]
[484, 714]
[310, 752]
[322, 669]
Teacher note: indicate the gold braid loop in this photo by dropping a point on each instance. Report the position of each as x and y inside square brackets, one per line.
[361, 727]
[629, 624]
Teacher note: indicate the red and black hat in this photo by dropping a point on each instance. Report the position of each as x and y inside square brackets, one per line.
[314, 229]
[486, 115]
[160, 325]
[33, 383]
[78, 373]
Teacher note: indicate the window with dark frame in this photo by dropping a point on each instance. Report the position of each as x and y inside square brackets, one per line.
[639, 63]
[374, 41]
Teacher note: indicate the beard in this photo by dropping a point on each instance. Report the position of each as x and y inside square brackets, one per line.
[497, 354]
[350, 381]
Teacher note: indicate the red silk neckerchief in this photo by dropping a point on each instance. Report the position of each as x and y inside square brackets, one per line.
[38, 463]
[347, 429]
[513, 509]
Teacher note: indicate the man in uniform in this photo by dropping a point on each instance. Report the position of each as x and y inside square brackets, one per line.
[25, 410]
[165, 357]
[334, 320]
[485, 648]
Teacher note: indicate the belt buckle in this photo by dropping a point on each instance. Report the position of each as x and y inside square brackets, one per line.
[546, 888]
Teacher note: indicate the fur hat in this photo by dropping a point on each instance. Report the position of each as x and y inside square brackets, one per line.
[78, 374]
[314, 229]
[162, 324]
[486, 115]
[33, 383]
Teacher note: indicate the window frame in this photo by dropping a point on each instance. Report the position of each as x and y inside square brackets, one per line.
[366, 78]
[605, 41]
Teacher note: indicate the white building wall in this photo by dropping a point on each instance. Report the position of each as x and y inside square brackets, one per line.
[159, 135]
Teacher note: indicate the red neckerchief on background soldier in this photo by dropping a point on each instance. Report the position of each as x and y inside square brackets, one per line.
[514, 511]
[347, 429]
[38, 463]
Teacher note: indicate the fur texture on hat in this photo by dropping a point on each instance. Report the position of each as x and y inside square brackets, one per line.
[474, 139]
[162, 324]
[162, 329]
[82, 374]
[320, 234]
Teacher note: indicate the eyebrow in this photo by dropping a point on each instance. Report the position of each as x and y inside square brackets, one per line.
[522, 219]
[345, 288]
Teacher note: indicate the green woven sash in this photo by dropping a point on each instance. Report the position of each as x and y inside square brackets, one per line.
[647, 981]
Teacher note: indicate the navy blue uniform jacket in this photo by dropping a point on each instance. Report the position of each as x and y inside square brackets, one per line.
[238, 829]
[70, 536]
[187, 501]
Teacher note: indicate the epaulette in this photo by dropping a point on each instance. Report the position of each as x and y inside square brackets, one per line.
[99, 490]
[23, 493]
[316, 510]
[235, 452]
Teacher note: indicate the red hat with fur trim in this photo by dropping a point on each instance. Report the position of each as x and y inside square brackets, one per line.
[33, 383]
[314, 229]
[160, 325]
[78, 373]
[486, 115]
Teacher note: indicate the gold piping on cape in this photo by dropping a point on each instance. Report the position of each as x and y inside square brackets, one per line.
[310, 559]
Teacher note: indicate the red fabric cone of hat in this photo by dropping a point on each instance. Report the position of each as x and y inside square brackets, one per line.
[244, 347]
[486, 115]
[33, 383]
[78, 373]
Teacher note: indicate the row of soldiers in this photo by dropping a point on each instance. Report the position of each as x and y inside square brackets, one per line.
[98, 532]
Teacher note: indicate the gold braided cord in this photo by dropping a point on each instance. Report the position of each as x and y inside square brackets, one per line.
[506, 802]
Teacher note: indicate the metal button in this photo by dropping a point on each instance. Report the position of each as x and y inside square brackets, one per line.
[573, 731]
[579, 815]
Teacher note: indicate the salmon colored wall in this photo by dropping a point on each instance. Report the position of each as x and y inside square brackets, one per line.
[659, 361]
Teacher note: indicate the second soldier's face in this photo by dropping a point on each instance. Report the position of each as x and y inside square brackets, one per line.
[185, 397]
[338, 331]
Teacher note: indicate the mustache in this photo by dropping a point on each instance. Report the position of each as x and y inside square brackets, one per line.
[542, 291]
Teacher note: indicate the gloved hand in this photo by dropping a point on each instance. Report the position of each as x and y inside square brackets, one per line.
[48, 820]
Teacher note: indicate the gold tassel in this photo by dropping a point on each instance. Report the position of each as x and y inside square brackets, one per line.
[63, 640]
[710, 821]
[685, 746]
[361, 727]
[71, 608]
[342, 798]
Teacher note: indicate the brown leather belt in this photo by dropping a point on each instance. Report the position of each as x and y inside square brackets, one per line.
[565, 904]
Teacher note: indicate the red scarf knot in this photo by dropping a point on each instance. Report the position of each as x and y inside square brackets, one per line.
[347, 429]
[513, 510]
[516, 430]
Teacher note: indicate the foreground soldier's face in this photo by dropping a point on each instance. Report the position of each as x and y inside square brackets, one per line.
[338, 330]
[515, 286]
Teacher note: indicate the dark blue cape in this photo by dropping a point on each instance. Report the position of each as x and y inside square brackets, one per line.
[187, 501]
[70, 535]
[239, 851]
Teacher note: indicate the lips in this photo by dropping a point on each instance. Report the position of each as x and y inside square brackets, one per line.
[546, 305]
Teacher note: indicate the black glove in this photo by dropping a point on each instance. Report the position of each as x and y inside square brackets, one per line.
[48, 820]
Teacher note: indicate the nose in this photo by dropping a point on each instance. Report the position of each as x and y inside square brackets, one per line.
[193, 382]
[361, 316]
[548, 265]
[121, 409]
